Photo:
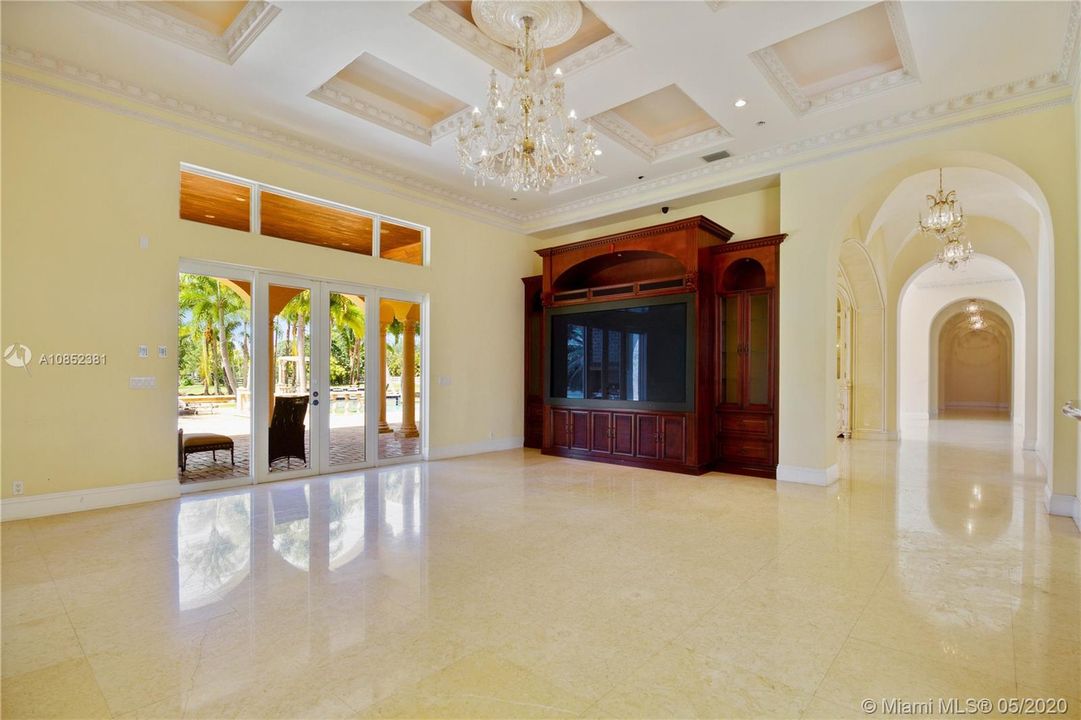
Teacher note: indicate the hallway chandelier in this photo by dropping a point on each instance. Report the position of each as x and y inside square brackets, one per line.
[974, 308]
[944, 213]
[946, 222]
[525, 138]
[956, 250]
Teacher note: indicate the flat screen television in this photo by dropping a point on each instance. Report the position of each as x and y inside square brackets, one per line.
[636, 354]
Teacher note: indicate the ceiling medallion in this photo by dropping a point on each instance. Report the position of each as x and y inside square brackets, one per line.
[525, 138]
[946, 222]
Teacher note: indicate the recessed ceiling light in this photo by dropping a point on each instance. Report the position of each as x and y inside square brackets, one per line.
[514, 198]
[209, 217]
[641, 177]
[740, 102]
[761, 123]
[239, 198]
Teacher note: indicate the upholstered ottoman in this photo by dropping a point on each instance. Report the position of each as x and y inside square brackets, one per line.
[204, 442]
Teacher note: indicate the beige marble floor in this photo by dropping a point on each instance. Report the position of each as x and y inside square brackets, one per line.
[513, 585]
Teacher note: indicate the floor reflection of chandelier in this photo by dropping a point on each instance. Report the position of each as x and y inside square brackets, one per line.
[946, 222]
[525, 138]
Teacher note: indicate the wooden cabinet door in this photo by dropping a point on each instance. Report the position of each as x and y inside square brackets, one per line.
[579, 429]
[600, 440]
[648, 436]
[730, 314]
[561, 430]
[758, 350]
[623, 434]
[673, 440]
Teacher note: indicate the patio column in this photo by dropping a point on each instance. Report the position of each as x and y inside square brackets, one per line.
[382, 386]
[409, 371]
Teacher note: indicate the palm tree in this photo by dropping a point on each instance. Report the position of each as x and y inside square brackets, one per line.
[214, 312]
[298, 312]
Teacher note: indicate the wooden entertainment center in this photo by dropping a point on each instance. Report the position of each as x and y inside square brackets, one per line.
[657, 348]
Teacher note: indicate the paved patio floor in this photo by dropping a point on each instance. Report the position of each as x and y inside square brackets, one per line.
[346, 447]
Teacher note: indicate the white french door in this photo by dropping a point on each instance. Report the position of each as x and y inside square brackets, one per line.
[338, 383]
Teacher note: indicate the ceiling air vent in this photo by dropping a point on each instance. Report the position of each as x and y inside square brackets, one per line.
[714, 157]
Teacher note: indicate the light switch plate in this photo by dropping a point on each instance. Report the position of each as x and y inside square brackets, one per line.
[144, 351]
[144, 242]
[142, 383]
[163, 352]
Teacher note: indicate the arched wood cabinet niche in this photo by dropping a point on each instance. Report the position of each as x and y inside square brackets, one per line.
[627, 355]
[745, 356]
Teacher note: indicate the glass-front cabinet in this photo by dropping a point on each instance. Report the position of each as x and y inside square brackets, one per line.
[746, 318]
[745, 424]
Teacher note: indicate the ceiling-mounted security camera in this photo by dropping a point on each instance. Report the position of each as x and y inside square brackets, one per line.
[665, 209]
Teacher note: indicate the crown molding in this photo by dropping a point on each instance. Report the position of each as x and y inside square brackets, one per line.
[637, 142]
[386, 179]
[855, 138]
[1027, 95]
[780, 79]
[465, 34]
[227, 47]
[342, 95]
[336, 94]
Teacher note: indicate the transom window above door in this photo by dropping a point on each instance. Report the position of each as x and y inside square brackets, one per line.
[214, 198]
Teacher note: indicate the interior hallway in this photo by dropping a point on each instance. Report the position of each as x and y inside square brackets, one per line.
[515, 585]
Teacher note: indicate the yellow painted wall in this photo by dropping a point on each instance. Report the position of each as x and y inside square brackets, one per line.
[81, 184]
[749, 215]
[818, 202]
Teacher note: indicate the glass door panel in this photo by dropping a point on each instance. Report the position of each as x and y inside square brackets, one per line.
[758, 348]
[289, 381]
[397, 379]
[730, 356]
[346, 377]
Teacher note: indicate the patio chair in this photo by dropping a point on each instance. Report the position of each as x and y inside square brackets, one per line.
[286, 438]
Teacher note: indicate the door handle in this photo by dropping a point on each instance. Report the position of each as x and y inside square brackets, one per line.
[315, 402]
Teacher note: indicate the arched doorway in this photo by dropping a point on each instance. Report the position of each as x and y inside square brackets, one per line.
[974, 364]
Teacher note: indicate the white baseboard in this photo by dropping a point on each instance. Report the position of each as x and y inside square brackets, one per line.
[1063, 505]
[32, 506]
[978, 406]
[1077, 512]
[916, 415]
[807, 476]
[486, 446]
[873, 435]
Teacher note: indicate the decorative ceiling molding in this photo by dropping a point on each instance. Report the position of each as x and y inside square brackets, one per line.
[227, 47]
[338, 94]
[637, 142]
[465, 34]
[964, 110]
[475, 209]
[563, 184]
[770, 65]
[1071, 55]
[839, 141]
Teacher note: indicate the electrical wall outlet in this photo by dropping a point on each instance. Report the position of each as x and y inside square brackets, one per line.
[142, 383]
[17, 487]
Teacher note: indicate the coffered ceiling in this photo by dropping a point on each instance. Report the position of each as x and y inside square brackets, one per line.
[381, 85]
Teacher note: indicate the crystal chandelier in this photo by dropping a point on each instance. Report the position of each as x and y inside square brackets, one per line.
[956, 250]
[975, 314]
[946, 222]
[525, 138]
